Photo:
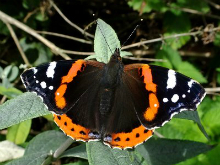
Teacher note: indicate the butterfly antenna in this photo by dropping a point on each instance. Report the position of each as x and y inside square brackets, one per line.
[131, 34]
[103, 34]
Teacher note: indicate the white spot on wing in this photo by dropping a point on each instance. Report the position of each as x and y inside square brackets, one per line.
[34, 70]
[188, 91]
[175, 98]
[184, 96]
[155, 105]
[171, 82]
[50, 70]
[190, 83]
[43, 84]
[165, 100]
[51, 87]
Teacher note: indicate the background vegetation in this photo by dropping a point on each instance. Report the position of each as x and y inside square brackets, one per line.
[178, 34]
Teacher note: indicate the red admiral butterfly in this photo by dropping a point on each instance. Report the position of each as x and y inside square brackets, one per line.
[118, 104]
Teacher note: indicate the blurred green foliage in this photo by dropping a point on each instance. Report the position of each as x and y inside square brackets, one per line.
[188, 55]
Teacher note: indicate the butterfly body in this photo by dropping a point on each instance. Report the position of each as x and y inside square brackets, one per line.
[116, 103]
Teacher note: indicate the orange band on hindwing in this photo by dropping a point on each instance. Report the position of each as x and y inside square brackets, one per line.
[75, 131]
[59, 94]
[152, 110]
[131, 139]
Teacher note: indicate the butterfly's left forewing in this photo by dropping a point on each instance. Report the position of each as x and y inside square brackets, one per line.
[52, 82]
[70, 90]
[160, 93]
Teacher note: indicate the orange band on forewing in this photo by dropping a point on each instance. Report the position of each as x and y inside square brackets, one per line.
[131, 139]
[154, 104]
[72, 72]
[73, 130]
[60, 100]
[152, 110]
[148, 80]
[59, 94]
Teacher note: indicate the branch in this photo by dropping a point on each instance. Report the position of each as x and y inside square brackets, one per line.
[17, 44]
[7, 19]
[171, 36]
[187, 10]
[65, 36]
[68, 21]
[215, 5]
[211, 90]
[144, 59]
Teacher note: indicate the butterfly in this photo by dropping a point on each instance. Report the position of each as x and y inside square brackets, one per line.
[118, 104]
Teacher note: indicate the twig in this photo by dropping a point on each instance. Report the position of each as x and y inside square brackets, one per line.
[30, 14]
[210, 90]
[18, 44]
[144, 59]
[169, 37]
[68, 21]
[3, 99]
[6, 18]
[65, 36]
[158, 134]
[181, 52]
[63, 147]
[78, 53]
[187, 10]
[215, 5]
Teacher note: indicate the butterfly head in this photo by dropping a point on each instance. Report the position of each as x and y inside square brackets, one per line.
[116, 56]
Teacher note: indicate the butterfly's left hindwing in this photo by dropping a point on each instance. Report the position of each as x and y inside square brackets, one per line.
[166, 93]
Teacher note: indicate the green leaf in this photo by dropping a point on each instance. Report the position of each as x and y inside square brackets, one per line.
[99, 154]
[166, 151]
[10, 151]
[105, 36]
[211, 115]
[1, 72]
[10, 72]
[217, 39]
[18, 133]
[171, 55]
[30, 4]
[211, 158]
[46, 142]
[49, 117]
[32, 159]
[161, 54]
[23, 107]
[78, 163]
[40, 16]
[193, 115]
[37, 53]
[198, 5]
[40, 147]
[3, 29]
[125, 53]
[175, 24]
[182, 129]
[13, 74]
[10, 92]
[137, 4]
[148, 5]
[189, 70]
[77, 152]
